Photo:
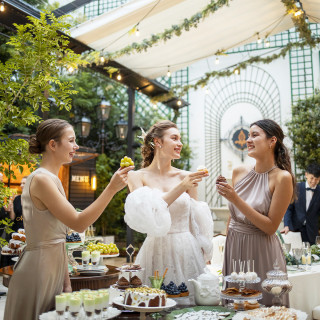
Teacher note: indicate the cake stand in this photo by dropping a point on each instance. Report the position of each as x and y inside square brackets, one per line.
[241, 299]
[143, 310]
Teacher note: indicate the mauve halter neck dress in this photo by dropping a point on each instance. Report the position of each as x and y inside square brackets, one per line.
[247, 242]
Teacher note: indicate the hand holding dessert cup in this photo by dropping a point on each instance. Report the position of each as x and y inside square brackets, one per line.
[225, 190]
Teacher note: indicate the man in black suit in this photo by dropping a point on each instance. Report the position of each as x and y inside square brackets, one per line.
[303, 214]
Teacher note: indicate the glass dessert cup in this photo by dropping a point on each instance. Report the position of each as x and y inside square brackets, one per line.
[277, 284]
[85, 255]
[74, 306]
[156, 282]
[95, 258]
[60, 306]
[89, 306]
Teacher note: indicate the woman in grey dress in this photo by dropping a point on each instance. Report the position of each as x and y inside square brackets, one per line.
[258, 202]
[42, 271]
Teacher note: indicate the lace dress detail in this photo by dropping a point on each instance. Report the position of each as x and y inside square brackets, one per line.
[176, 235]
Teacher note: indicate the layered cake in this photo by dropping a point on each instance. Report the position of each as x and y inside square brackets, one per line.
[18, 236]
[135, 282]
[145, 297]
[15, 244]
[123, 283]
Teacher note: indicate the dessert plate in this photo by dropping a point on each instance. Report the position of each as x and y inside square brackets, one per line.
[91, 268]
[52, 315]
[177, 314]
[243, 314]
[119, 301]
[128, 270]
[109, 255]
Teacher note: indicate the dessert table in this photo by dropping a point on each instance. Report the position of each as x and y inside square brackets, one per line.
[305, 294]
[77, 282]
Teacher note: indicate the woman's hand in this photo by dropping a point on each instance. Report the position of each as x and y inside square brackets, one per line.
[227, 191]
[191, 180]
[120, 179]
[67, 288]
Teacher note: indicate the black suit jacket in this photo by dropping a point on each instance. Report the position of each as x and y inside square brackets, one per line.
[296, 213]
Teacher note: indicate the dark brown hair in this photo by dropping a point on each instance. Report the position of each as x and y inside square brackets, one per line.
[156, 131]
[281, 153]
[46, 131]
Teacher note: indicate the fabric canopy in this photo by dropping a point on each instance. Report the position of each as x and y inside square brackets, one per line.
[229, 27]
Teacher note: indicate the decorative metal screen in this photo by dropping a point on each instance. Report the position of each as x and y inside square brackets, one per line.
[253, 86]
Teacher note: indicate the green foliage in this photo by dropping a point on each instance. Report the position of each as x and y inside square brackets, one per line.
[111, 220]
[29, 74]
[167, 34]
[291, 260]
[6, 224]
[304, 130]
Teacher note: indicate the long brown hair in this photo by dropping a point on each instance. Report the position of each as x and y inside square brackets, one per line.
[156, 131]
[281, 153]
[46, 131]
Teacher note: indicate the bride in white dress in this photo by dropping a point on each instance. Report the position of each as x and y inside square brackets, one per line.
[163, 204]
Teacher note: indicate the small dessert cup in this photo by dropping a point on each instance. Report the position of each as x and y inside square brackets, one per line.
[156, 282]
[60, 306]
[95, 258]
[105, 302]
[74, 306]
[85, 258]
[68, 297]
[88, 305]
[98, 301]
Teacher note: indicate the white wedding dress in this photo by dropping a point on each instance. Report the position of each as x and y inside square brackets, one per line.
[177, 236]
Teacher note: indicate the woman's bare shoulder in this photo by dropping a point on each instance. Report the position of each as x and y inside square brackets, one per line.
[239, 173]
[242, 170]
[282, 176]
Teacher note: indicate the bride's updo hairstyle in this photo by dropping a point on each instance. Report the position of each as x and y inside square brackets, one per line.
[46, 131]
[156, 131]
[281, 153]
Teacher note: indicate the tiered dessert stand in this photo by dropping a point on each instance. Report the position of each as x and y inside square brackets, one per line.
[142, 310]
[242, 285]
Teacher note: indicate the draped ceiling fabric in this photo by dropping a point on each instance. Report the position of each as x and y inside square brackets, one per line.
[229, 27]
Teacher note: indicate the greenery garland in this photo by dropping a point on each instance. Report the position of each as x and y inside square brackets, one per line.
[298, 18]
[302, 28]
[174, 30]
[181, 91]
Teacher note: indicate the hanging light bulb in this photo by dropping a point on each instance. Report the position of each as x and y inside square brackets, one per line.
[267, 43]
[306, 20]
[236, 71]
[102, 59]
[168, 73]
[2, 6]
[259, 39]
[179, 102]
[137, 33]
[217, 60]
[155, 106]
[119, 76]
[298, 13]
[207, 90]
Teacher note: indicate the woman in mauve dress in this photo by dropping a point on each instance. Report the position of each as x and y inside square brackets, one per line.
[42, 270]
[258, 201]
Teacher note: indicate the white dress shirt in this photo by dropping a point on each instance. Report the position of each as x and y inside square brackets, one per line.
[309, 195]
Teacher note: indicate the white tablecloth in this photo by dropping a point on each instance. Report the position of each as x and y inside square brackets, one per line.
[305, 293]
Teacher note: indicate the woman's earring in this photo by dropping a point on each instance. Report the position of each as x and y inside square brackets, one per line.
[160, 146]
